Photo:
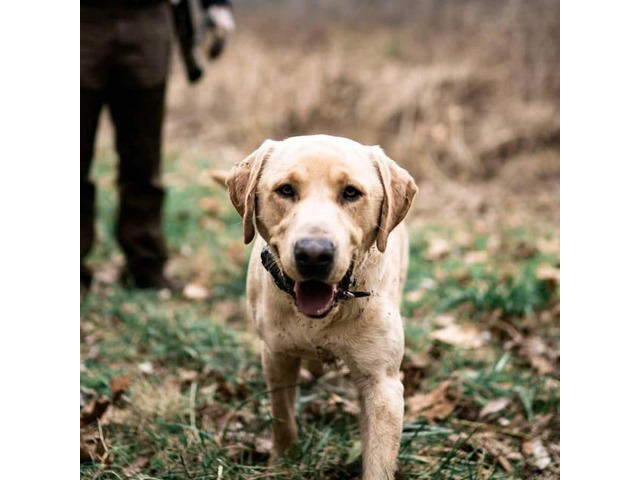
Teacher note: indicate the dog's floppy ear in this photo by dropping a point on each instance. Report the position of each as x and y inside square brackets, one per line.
[242, 183]
[399, 190]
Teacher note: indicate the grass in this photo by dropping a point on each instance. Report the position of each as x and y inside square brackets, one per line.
[197, 405]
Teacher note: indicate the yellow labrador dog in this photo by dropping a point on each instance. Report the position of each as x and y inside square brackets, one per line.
[326, 275]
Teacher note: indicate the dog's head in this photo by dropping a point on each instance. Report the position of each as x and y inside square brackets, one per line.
[320, 202]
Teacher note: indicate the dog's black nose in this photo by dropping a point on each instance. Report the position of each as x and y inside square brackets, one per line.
[314, 257]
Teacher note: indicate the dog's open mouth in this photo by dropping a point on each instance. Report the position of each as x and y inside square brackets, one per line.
[314, 298]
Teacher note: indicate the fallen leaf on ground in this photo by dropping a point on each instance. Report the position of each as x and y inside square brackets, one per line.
[415, 295]
[211, 205]
[187, 376]
[94, 410]
[119, 385]
[108, 273]
[438, 249]
[116, 416]
[347, 405]
[542, 365]
[549, 246]
[235, 252]
[86, 453]
[145, 367]
[137, 465]
[467, 336]
[193, 291]
[474, 257]
[435, 405]
[413, 368]
[444, 320]
[535, 453]
[264, 445]
[538, 353]
[164, 294]
[463, 238]
[494, 406]
[502, 449]
[548, 274]
[524, 250]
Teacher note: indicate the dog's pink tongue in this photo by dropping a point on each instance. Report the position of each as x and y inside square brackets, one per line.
[314, 298]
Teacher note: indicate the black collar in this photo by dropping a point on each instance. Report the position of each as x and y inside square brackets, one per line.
[286, 283]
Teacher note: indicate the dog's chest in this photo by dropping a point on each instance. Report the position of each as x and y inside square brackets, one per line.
[305, 339]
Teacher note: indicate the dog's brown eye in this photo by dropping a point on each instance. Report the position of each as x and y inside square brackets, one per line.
[351, 193]
[286, 191]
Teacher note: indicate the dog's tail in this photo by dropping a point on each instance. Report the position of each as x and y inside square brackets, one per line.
[219, 176]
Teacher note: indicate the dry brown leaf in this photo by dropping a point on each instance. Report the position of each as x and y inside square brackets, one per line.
[187, 376]
[494, 406]
[211, 205]
[435, 405]
[444, 320]
[94, 410]
[86, 452]
[108, 274]
[415, 360]
[413, 369]
[119, 385]
[116, 416]
[145, 367]
[348, 406]
[538, 353]
[236, 252]
[264, 445]
[415, 295]
[548, 274]
[542, 365]
[137, 465]
[536, 454]
[467, 336]
[524, 250]
[463, 238]
[502, 449]
[474, 257]
[439, 248]
[549, 246]
[93, 447]
[193, 291]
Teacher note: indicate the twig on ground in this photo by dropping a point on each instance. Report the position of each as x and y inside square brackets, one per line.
[184, 465]
[487, 426]
[192, 410]
[104, 444]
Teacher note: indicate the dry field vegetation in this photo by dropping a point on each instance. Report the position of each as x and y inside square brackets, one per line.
[465, 95]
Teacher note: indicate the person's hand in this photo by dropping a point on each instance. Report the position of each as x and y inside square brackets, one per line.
[222, 24]
[221, 19]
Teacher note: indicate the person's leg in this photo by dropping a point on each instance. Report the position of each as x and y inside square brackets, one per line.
[95, 40]
[137, 116]
[136, 102]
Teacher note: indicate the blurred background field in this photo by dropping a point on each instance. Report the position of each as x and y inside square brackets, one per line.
[465, 95]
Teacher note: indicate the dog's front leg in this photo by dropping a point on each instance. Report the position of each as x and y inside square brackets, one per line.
[382, 404]
[281, 372]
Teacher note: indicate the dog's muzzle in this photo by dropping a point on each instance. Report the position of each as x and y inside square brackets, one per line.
[313, 298]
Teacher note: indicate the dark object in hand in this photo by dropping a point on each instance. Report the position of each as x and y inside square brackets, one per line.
[216, 47]
[183, 19]
[194, 26]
